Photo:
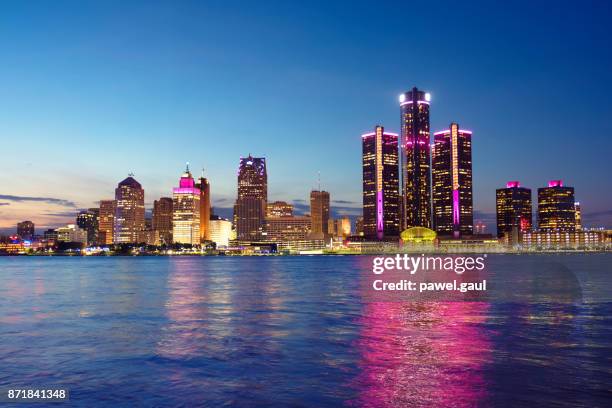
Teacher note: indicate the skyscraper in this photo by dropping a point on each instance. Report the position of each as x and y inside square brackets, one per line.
[130, 213]
[186, 211]
[252, 199]
[162, 220]
[556, 210]
[578, 213]
[415, 159]
[106, 221]
[381, 199]
[513, 208]
[319, 214]
[451, 174]
[25, 230]
[88, 220]
[204, 187]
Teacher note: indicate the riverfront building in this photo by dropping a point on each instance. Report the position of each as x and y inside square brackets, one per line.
[415, 159]
[513, 209]
[319, 214]
[186, 211]
[452, 182]
[204, 186]
[556, 211]
[252, 199]
[129, 219]
[162, 220]
[381, 199]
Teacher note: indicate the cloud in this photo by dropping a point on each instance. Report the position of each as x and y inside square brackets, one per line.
[1, 204]
[50, 200]
[61, 214]
[597, 214]
[484, 216]
[346, 202]
[222, 200]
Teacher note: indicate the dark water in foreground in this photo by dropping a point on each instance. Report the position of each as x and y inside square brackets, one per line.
[294, 331]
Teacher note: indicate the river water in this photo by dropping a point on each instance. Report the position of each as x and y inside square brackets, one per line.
[278, 331]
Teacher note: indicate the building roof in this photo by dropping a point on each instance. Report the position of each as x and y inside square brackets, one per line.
[130, 182]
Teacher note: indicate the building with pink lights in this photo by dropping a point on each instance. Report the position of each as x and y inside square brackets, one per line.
[451, 162]
[415, 159]
[381, 199]
[513, 208]
[556, 207]
[186, 211]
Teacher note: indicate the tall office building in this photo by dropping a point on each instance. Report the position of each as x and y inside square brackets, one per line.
[252, 199]
[25, 230]
[415, 159]
[578, 218]
[279, 209]
[556, 210]
[381, 199]
[130, 212]
[186, 211]
[88, 220]
[513, 208]
[162, 220]
[204, 187]
[319, 214]
[106, 221]
[451, 173]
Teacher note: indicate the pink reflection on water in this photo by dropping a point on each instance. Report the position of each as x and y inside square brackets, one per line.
[422, 354]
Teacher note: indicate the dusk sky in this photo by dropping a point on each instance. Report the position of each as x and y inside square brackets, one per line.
[91, 91]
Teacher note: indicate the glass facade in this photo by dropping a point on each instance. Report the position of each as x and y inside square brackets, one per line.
[251, 203]
[162, 220]
[88, 220]
[415, 146]
[319, 214]
[381, 199]
[556, 211]
[106, 221]
[513, 208]
[452, 182]
[186, 211]
[204, 187]
[129, 219]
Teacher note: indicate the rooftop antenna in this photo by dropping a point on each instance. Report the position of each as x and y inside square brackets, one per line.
[131, 174]
[187, 170]
[319, 179]
[202, 172]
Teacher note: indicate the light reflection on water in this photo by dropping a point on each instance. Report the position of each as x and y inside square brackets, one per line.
[423, 354]
[293, 331]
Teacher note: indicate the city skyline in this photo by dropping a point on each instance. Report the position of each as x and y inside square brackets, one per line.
[73, 94]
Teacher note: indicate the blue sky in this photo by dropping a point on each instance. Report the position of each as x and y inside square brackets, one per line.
[94, 90]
